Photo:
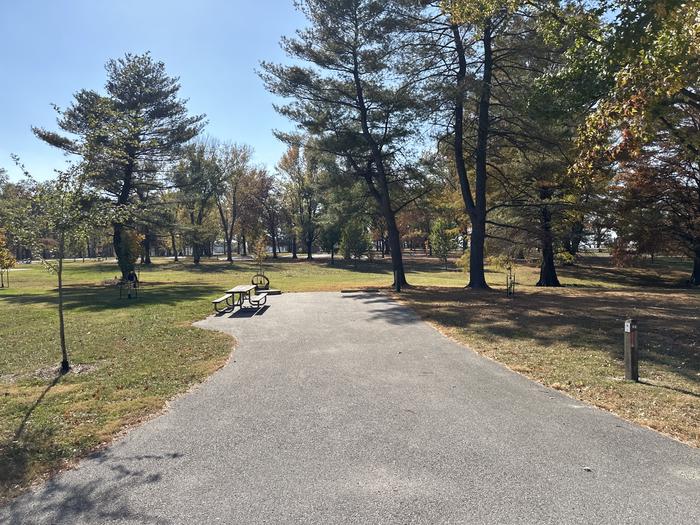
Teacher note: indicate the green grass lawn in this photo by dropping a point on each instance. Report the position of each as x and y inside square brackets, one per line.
[131, 356]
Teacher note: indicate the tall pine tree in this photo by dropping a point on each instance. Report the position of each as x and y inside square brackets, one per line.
[127, 136]
[346, 96]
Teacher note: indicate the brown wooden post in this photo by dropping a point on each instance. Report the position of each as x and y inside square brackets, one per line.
[631, 351]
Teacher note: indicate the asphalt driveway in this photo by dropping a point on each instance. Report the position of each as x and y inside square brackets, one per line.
[348, 409]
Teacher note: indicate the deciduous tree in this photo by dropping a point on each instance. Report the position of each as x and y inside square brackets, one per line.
[7, 261]
[300, 173]
[648, 120]
[62, 210]
[197, 178]
[442, 240]
[235, 176]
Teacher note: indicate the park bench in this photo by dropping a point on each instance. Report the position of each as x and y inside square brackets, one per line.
[224, 298]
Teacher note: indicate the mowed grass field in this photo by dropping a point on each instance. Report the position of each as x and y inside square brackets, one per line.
[131, 356]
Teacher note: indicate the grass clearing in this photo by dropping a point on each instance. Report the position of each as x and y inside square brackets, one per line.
[130, 357]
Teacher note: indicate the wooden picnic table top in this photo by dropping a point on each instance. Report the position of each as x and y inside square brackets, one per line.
[241, 288]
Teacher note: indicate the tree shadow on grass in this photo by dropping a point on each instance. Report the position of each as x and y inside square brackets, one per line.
[101, 494]
[420, 264]
[16, 454]
[186, 266]
[669, 323]
[598, 269]
[206, 267]
[28, 414]
[101, 298]
[17, 457]
[376, 267]
[78, 267]
[667, 387]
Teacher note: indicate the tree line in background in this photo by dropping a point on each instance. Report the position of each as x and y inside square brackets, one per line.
[492, 127]
[524, 125]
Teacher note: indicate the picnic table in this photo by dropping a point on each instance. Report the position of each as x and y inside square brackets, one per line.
[238, 295]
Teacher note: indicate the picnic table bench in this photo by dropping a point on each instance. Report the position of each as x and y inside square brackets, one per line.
[217, 302]
[258, 300]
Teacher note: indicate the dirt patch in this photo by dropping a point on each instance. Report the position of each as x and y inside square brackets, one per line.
[50, 372]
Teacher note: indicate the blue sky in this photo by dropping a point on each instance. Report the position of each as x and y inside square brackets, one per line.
[52, 48]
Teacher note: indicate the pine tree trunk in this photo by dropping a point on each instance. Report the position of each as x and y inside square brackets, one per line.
[309, 247]
[573, 241]
[147, 248]
[548, 271]
[245, 247]
[121, 250]
[120, 247]
[477, 277]
[477, 273]
[229, 248]
[695, 277]
[378, 183]
[174, 244]
[396, 255]
[475, 205]
[294, 246]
